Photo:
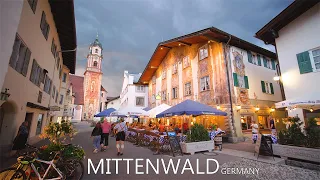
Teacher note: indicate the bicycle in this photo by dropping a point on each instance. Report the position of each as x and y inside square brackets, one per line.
[22, 171]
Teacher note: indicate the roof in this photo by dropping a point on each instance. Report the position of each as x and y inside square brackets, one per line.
[77, 87]
[64, 18]
[201, 36]
[96, 42]
[136, 77]
[103, 89]
[269, 32]
[109, 99]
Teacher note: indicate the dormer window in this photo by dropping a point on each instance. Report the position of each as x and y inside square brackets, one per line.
[95, 63]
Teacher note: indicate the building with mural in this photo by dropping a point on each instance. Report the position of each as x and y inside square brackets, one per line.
[90, 96]
[220, 70]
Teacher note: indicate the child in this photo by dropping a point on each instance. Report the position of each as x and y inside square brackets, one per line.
[96, 134]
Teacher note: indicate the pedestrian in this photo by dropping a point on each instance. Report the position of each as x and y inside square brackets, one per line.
[272, 126]
[106, 127]
[254, 127]
[20, 140]
[120, 132]
[96, 135]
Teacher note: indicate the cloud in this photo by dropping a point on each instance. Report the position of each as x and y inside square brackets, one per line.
[130, 30]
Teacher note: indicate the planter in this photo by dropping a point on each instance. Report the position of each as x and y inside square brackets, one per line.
[193, 147]
[302, 153]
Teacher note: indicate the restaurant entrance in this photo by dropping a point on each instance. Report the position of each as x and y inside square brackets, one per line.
[263, 122]
[246, 121]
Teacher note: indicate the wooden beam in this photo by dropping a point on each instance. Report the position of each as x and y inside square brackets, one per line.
[184, 43]
[165, 46]
[209, 37]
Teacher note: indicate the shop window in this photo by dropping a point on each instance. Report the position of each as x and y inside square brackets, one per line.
[246, 122]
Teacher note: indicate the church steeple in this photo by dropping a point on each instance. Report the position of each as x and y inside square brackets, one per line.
[95, 56]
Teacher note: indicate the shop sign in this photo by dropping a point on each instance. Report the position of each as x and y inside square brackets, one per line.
[54, 108]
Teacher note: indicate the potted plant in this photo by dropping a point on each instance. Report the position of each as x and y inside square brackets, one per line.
[197, 140]
[298, 144]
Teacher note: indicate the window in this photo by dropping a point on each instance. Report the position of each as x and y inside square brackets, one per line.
[53, 91]
[33, 5]
[64, 77]
[187, 89]
[254, 60]
[204, 83]
[164, 74]
[175, 68]
[58, 62]
[57, 94]
[203, 52]
[61, 99]
[164, 95]
[36, 72]
[139, 101]
[39, 124]
[186, 62]
[60, 72]
[95, 64]
[139, 89]
[240, 81]
[267, 87]
[153, 99]
[54, 49]
[96, 50]
[20, 57]
[316, 58]
[47, 84]
[175, 93]
[40, 97]
[44, 26]
[153, 80]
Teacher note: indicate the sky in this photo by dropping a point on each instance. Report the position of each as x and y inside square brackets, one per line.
[130, 30]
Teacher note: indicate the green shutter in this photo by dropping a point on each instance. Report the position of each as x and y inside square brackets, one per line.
[249, 56]
[246, 82]
[304, 62]
[271, 88]
[263, 86]
[273, 64]
[235, 80]
[265, 62]
[259, 60]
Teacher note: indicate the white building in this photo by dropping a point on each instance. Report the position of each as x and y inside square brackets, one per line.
[113, 102]
[132, 94]
[45, 31]
[295, 33]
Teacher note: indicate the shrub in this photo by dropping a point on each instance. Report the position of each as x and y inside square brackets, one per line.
[312, 134]
[47, 152]
[198, 133]
[55, 131]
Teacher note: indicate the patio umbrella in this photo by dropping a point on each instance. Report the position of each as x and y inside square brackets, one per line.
[129, 111]
[189, 107]
[159, 109]
[105, 112]
[146, 108]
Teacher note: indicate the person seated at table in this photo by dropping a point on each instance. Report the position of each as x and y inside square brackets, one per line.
[177, 130]
[161, 127]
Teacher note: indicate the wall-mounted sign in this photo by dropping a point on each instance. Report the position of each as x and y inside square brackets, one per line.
[54, 108]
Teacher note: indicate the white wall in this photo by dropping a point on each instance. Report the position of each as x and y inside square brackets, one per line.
[114, 104]
[10, 12]
[300, 35]
[256, 74]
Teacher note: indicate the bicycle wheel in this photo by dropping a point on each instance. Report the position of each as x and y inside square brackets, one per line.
[12, 174]
[73, 169]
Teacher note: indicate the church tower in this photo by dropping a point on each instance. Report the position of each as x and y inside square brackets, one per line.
[92, 80]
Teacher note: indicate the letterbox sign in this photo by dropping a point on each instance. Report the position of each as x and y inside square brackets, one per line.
[54, 108]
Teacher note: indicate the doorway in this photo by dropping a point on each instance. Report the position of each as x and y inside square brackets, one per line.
[263, 122]
[28, 118]
[246, 121]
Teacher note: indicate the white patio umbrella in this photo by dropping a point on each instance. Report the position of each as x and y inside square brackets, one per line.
[129, 111]
[157, 110]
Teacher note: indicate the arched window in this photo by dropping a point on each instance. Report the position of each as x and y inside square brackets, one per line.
[96, 50]
[95, 64]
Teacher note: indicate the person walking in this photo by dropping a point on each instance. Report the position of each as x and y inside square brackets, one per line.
[20, 140]
[106, 127]
[255, 128]
[120, 132]
[272, 125]
[96, 135]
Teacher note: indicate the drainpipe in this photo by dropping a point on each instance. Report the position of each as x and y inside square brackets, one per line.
[279, 74]
[234, 134]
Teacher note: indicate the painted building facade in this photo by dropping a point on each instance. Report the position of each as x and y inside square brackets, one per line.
[294, 33]
[211, 67]
[33, 75]
[133, 94]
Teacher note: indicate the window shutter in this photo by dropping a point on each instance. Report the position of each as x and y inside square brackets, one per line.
[15, 52]
[265, 62]
[271, 88]
[235, 80]
[263, 86]
[304, 62]
[246, 82]
[26, 63]
[259, 60]
[249, 56]
[273, 64]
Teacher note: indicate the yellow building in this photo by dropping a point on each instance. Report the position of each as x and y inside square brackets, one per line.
[43, 50]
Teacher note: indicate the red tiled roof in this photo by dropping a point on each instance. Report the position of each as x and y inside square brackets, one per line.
[77, 87]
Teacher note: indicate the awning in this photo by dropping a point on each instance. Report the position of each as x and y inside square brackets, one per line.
[299, 103]
[159, 109]
[105, 113]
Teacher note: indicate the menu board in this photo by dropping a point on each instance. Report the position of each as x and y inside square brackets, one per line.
[174, 143]
[258, 144]
[263, 146]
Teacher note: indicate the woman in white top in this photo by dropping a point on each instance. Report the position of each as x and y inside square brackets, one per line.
[254, 128]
